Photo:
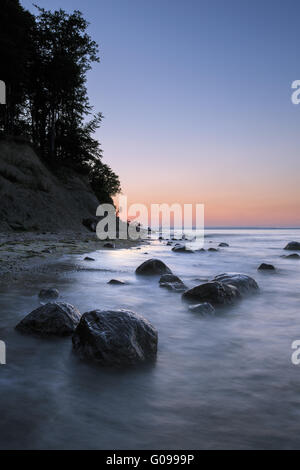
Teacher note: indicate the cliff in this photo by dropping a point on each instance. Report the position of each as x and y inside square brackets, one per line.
[33, 198]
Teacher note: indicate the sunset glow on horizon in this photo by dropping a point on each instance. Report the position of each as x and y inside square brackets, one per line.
[197, 104]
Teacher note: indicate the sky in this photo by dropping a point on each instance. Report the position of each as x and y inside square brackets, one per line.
[196, 96]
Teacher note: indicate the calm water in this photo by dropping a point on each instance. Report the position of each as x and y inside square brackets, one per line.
[219, 382]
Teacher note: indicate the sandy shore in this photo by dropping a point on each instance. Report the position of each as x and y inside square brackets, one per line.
[28, 254]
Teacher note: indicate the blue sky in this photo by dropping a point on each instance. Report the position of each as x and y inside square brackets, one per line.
[196, 99]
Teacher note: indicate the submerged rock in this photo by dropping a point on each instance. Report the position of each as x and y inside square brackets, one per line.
[54, 318]
[182, 249]
[47, 250]
[88, 258]
[109, 245]
[213, 292]
[115, 338]
[292, 256]
[266, 267]
[172, 282]
[294, 246]
[153, 267]
[212, 249]
[48, 294]
[243, 282]
[204, 308]
[116, 282]
[223, 244]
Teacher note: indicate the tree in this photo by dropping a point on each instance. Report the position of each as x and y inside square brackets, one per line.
[46, 59]
[16, 25]
[105, 183]
[63, 53]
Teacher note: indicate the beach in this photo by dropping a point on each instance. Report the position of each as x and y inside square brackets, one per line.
[27, 254]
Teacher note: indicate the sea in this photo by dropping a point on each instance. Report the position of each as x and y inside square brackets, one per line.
[223, 381]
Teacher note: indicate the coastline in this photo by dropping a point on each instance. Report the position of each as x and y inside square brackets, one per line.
[49, 376]
[30, 254]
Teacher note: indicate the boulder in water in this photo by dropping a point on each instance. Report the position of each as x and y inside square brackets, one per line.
[88, 258]
[212, 249]
[115, 338]
[294, 246]
[172, 282]
[181, 249]
[223, 244]
[216, 293]
[243, 282]
[153, 267]
[292, 256]
[266, 267]
[116, 282]
[54, 318]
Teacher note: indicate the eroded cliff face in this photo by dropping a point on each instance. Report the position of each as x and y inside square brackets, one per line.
[34, 198]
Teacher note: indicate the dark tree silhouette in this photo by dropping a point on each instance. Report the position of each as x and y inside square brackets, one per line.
[45, 60]
[16, 26]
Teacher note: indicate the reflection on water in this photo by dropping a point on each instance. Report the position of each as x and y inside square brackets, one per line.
[219, 382]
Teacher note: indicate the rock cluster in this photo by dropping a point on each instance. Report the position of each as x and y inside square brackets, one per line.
[224, 289]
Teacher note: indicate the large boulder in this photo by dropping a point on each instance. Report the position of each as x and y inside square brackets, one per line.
[242, 282]
[153, 267]
[115, 338]
[54, 318]
[172, 282]
[216, 293]
[294, 246]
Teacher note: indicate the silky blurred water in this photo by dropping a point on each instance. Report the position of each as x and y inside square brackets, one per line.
[218, 383]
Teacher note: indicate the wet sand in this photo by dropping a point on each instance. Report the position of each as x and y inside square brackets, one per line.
[30, 254]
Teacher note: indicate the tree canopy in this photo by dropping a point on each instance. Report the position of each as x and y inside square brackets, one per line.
[44, 63]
